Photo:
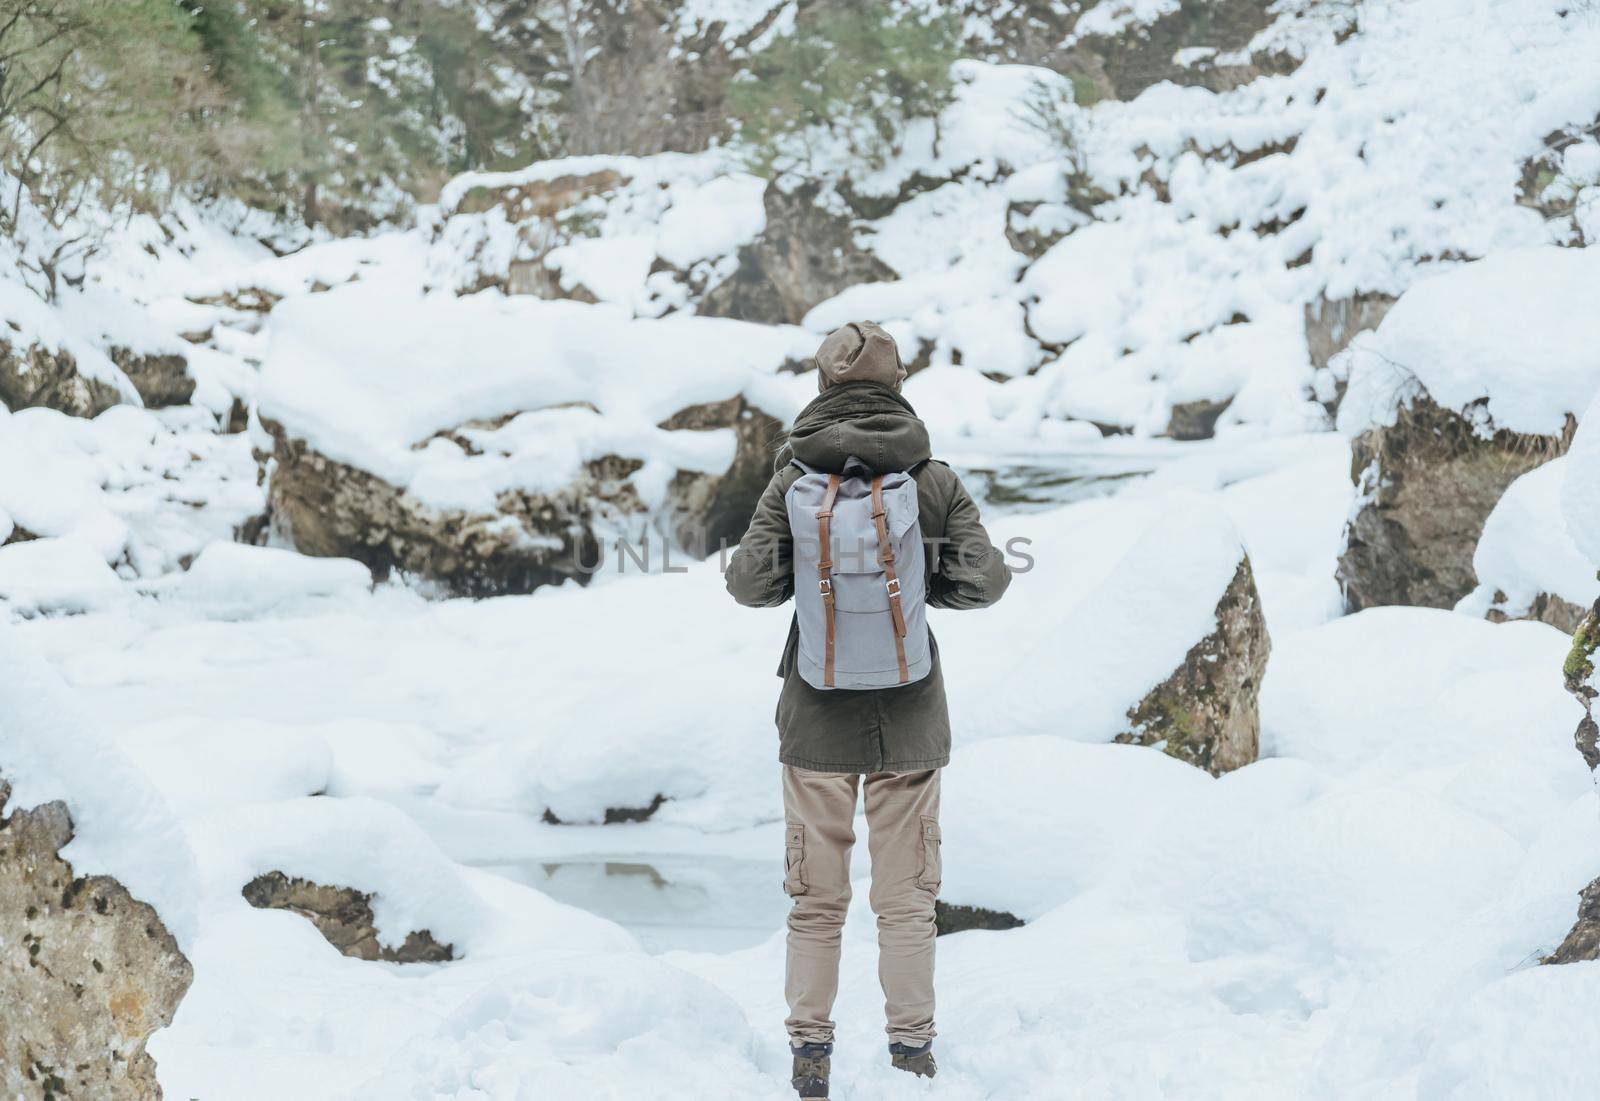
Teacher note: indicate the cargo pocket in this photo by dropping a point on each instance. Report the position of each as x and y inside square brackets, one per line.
[932, 865]
[794, 859]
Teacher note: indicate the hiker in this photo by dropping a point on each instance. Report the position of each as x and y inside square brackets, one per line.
[865, 529]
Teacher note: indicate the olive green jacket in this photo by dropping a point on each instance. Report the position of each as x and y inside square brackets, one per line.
[900, 729]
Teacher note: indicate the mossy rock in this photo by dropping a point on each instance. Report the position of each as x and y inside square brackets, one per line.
[1208, 711]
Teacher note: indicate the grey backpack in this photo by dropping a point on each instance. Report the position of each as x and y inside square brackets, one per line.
[859, 578]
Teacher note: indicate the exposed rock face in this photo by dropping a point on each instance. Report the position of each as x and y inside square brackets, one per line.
[1196, 420]
[805, 255]
[1583, 942]
[1332, 323]
[1202, 43]
[714, 511]
[87, 975]
[34, 376]
[343, 916]
[1427, 483]
[958, 919]
[1577, 675]
[1207, 712]
[161, 379]
[328, 508]
[1561, 614]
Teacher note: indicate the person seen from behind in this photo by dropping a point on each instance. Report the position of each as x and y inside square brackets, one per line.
[865, 530]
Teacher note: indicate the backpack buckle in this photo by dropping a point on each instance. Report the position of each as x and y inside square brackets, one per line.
[893, 585]
[825, 587]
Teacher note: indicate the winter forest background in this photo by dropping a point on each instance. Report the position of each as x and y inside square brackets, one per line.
[343, 337]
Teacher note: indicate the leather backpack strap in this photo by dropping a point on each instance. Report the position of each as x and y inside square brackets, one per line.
[891, 579]
[825, 572]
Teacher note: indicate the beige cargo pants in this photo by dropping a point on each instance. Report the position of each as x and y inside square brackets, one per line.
[903, 838]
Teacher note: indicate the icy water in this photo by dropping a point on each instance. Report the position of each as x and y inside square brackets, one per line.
[699, 903]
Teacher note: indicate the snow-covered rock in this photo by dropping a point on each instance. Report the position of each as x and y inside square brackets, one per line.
[1526, 563]
[492, 444]
[1147, 630]
[96, 899]
[1475, 377]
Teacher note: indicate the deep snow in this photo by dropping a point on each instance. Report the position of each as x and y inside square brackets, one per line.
[1356, 916]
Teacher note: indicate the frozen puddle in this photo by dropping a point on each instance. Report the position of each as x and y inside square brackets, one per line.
[696, 903]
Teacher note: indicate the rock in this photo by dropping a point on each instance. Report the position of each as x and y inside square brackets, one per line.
[1426, 484]
[805, 255]
[1577, 674]
[615, 815]
[331, 509]
[1561, 614]
[958, 919]
[1207, 711]
[324, 507]
[344, 917]
[1196, 420]
[161, 379]
[87, 975]
[712, 511]
[32, 375]
[1545, 189]
[1332, 323]
[1201, 43]
[1583, 941]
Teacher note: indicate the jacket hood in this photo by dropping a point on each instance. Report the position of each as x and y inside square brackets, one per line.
[864, 419]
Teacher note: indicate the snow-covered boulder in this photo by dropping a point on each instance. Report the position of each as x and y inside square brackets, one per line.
[648, 234]
[344, 916]
[1474, 378]
[44, 362]
[1146, 628]
[96, 889]
[497, 444]
[1527, 565]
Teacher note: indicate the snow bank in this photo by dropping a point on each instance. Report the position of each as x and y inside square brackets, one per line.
[365, 373]
[1580, 487]
[580, 1024]
[1029, 822]
[1518, 330]
[141, 490]
[1526, 550]
[122, 827]
[56, 575]
[1513, 1039]
[238, 580]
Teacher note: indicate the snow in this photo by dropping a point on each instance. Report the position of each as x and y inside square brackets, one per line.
[1517, 330]
[55, 575]
[1525, 549]
[244, 580]
[1580, 488]
[1356, 915]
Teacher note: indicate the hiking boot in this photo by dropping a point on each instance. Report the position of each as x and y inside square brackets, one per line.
[916, 1060]
[811, 1070]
